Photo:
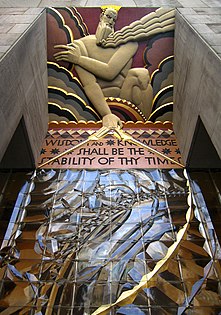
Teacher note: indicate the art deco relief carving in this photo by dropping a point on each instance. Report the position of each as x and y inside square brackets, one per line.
[103, 62]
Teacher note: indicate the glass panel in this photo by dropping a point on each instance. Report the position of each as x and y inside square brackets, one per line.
[77, 240]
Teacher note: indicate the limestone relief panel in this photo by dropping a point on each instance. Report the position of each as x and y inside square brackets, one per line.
[114, 64]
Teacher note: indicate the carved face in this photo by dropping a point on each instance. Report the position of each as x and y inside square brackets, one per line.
[106, 25]
[109, 17]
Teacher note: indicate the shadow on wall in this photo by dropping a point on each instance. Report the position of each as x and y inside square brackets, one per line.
[19, 153]
[202, 152]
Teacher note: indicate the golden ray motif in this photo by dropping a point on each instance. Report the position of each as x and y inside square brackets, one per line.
[63, 22]
[63, 108]
[77, 18]
[160, 64]
[65, 69]
[162, 90]
[162, 106]
[74, 95]
[127, 105]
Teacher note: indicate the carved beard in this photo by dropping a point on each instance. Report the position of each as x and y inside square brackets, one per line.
[102, 33]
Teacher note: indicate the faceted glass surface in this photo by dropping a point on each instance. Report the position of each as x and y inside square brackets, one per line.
[79, 239]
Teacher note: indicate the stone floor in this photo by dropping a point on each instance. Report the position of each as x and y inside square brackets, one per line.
[16, 16]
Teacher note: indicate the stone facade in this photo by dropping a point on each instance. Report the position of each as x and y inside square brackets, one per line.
[197, 86]
[24, 90]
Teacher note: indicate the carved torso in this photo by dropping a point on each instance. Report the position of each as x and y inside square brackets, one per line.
[124, 52]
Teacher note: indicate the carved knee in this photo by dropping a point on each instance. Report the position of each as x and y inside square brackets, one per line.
[137, 89]
[142, 77]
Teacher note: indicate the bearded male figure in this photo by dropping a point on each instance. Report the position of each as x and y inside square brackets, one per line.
[104, 69]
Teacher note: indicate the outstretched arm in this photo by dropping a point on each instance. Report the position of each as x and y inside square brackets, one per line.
[90, 85]
[107, 71]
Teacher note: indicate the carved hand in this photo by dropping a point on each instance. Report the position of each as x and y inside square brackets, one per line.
[71, 54]
[111, 121]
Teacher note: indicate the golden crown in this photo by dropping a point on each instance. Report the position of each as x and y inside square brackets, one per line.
[110, 6]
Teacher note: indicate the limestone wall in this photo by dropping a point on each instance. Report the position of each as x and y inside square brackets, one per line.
[197, 86]
[23, 87]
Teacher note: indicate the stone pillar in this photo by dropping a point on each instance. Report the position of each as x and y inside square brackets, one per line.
[197, 86]
[23, 98]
